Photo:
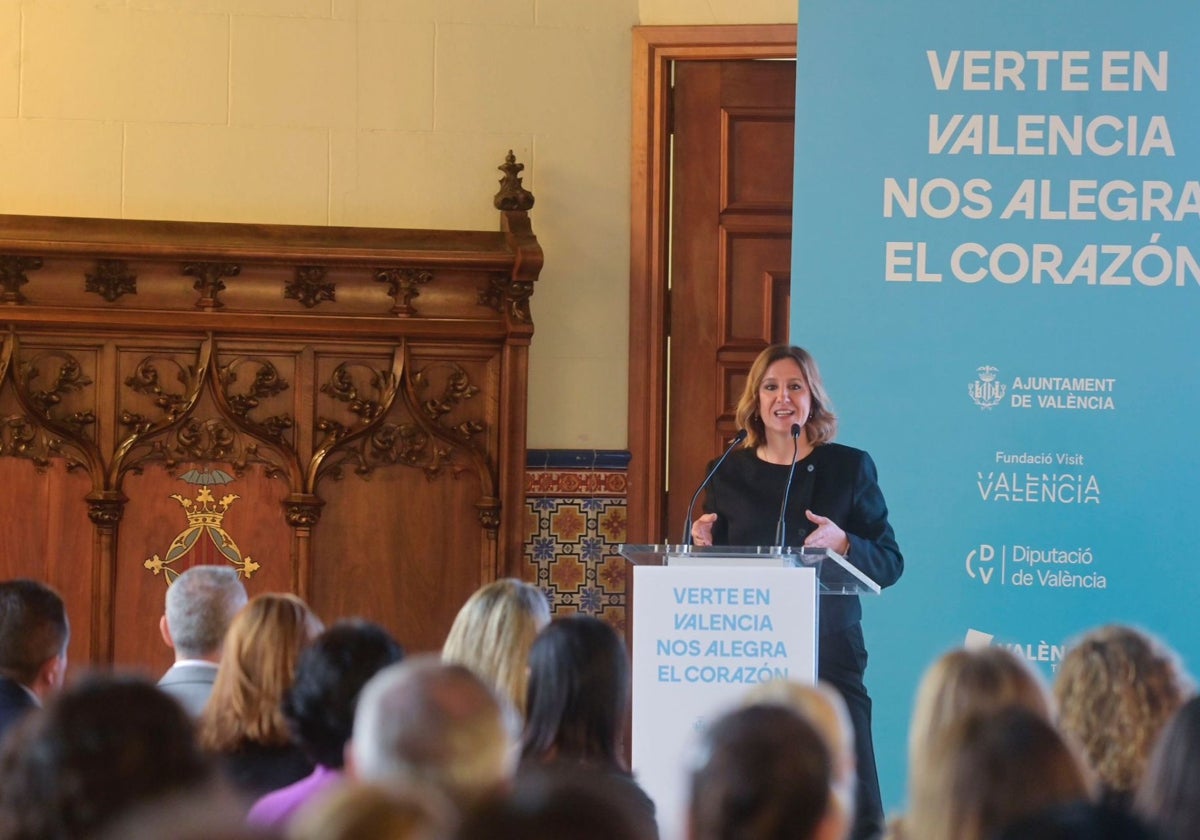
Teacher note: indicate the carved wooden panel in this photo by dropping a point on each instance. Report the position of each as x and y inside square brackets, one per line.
[337, 412]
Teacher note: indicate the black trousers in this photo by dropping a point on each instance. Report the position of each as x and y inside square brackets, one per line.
[841, 662]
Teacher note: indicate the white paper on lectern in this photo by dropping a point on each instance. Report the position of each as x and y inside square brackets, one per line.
[693, 660]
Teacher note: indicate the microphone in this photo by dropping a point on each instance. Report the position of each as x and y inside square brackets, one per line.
[687, 526]
[781, 529]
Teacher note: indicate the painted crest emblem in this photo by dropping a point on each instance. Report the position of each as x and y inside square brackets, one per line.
[986, 391]
[204, 540]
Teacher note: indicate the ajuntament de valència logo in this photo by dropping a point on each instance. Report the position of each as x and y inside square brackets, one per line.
[985, 390]
[1053, 393]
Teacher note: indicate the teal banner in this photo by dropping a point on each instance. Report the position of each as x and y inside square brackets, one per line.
[997, 265]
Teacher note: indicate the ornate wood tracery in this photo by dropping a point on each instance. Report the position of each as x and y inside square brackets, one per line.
[168, 405]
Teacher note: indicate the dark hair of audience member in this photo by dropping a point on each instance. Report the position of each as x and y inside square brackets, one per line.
[1079, 821]
[33, 628]
[989, 770]
[1169, 796]
[578, 802]
[765, 773]
[97, 750]
[330, 674]
[578, 694]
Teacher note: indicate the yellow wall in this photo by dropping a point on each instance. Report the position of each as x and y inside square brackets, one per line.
[358, 112]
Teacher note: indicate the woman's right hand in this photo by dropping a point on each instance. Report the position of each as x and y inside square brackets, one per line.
[702, 529]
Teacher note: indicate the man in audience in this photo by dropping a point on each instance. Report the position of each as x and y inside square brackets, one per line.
[425, 722]
[33, 647]
[766, 775]
[201, 603]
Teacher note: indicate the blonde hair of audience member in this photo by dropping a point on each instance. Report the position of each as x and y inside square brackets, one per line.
[1116, 688]
[423, 721]
[826, 710]
[968, 681]
[990, 769]
[352, 811]
[493, 632]
[258, 664]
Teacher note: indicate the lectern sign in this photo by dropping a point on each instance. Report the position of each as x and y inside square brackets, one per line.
[702, 638]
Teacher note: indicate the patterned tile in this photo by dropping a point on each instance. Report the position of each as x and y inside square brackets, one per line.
[576, 519]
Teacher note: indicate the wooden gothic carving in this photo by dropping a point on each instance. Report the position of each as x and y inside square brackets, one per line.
[165, 401]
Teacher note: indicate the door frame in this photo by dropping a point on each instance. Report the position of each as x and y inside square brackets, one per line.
[654, 50]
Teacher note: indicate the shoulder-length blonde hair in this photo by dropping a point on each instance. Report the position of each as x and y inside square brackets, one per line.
[493, 632]
[989, 770]
[258, 664]
[964, 682]
[821, 424]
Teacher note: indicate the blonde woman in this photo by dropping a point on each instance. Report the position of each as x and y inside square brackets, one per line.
[1116, 689]
[492, 635]
[988, 770]
[243, 722]
[959, 684]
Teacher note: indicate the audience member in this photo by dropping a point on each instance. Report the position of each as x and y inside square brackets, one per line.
[493, 632]
[964, 682]
[100, 748]
[243, 722]
[578, 700]
[1169, 794]
[988, 770]
[577, 803]
[1116, 687]
[765, 774]
[1079, 821]
[424, 722]
[823, 707]
[319, 707]
[200, 605]
[960, 683]
[357, 812]
[33, 647]
[205, 815]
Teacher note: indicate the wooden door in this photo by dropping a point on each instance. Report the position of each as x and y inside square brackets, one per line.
[730, 275]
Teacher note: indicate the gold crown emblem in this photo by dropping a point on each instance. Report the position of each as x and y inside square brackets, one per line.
[205, 515]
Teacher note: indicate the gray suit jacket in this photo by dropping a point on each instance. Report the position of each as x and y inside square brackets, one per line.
[190, 685]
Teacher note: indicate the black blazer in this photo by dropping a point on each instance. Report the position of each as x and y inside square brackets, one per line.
[836, 481]
[15, 703]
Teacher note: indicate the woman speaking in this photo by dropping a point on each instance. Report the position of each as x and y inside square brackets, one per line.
[833, 502]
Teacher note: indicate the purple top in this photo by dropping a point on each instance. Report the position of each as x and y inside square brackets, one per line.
[276, 809]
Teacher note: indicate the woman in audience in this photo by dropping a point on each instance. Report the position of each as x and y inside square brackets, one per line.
[825, 709]
[960, 683]
[988, 770]
[1116, 688]
[1169, 795]
[355, 811]
[963, 682]
[766, 774]
[99, 749]
[243, 722]
[575, 803]
[493, 632]
[578, 697]
[319, 708]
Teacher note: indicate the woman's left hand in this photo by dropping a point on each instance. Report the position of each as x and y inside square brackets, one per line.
[827, 534]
